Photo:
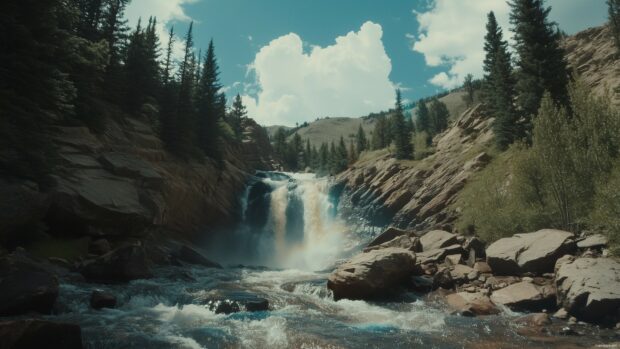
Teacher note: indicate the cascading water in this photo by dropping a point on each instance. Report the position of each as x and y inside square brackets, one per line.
[291, 221]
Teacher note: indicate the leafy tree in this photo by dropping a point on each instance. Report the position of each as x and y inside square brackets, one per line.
[402, 137]
[614, 19]
[360, 140]
[541, 61]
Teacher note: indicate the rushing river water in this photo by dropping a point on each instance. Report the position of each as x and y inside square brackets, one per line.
[292, 230]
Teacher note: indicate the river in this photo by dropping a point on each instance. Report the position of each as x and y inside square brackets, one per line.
[290, 239]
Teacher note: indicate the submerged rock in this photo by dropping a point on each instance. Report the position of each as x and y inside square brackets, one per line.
[373, 274]
[25, 287]
[121, 265]
[589, 288]
[30, 334]
[533, 252]
[100, 299]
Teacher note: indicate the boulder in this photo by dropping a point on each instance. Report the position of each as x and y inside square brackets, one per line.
[121, 265]
[454, 259]
[443, 279]
[403, 241]
[460, 273]
[472, 303]
[525, 296]
[589, 288]
[99, 247]
[482, 267]
[189, 255]
[374, 274]
[476, 245]
[436, 239]
[389, 234]
[438, 255]
[534, 320]
[25, 287]
[21, 208]
[260, 304]
[533, 252]
[593, 241]
[100, 299]
[225, 306]
[29, 334]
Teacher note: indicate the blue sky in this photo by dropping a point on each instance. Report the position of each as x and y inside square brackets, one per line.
[285, 59]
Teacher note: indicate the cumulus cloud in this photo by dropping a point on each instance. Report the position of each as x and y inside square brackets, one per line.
[166, 11]
[348, 78]
[451, 32]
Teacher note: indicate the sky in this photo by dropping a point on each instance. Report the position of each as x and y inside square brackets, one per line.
[294, 61]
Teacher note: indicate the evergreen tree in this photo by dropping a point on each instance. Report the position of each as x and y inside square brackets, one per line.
[237, 113]
[424, 120]
[333, 159]
[541, 61]
[439, 115]
[308, 155]
[324, 159]
[89, 24]
[500, 86]
[166, 74]
[279, 143]
[380, 136]
[342, 156]
[184, 138]
[360, 140]
[209, 113]
[353, 155]
[614, 20]
[402, 138]
[114, 31]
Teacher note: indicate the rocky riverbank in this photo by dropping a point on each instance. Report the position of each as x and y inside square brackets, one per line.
[551, 273]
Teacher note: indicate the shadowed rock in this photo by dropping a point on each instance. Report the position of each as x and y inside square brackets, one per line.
[31, 334]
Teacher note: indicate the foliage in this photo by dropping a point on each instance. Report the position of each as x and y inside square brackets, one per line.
[561, 181]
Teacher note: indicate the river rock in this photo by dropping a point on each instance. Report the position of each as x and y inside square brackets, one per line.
[436, 239]
[374, 274]
[443, 279]
[460, 273]
[482, 267]
[439, 254]
[403, 241]
[534, 320]
[476, 245]
[100, 299]
[589, 288]
[389, 234]
[525, 296]
[593, 241]
[533, 252]
[472, 303]
[120, 265]
[30, 334]
[25, 286]
[191, 256]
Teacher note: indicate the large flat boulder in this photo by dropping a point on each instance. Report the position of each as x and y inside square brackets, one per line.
[436, 239]
[403, 241]
[532, 252]
[374, 274]
[29, 334]
[121, 265]
[525, 296]
[589, 288]
[25, 287]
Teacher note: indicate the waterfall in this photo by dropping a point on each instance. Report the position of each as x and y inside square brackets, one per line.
[291, 221]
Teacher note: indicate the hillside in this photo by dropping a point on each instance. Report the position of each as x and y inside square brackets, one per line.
[419, 194]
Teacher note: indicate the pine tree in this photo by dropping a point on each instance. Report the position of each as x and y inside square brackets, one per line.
[308, 155]
[89, 24]
[279, 143]
[208, 112]
[614, 20]
[380, 135]
[184, 138]
[439, 115]
[360, 140]
[342, 159]
[167, 70]
[353, 154]
[114, 31]
[324, 159]
[402, 138]
[237, 113]
[500, 86]
[333, 159]
[541, 61]
[423, 122]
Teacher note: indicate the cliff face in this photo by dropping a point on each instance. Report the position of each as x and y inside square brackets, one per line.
[123, 183]
[417, 194]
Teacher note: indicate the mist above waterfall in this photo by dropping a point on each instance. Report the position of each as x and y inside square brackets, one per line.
[289, 220]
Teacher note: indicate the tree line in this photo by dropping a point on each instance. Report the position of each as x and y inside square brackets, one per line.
[76, 62]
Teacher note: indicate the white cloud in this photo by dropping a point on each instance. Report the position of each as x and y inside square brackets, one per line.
[166, 11]
[451, 32]
[349, 78]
